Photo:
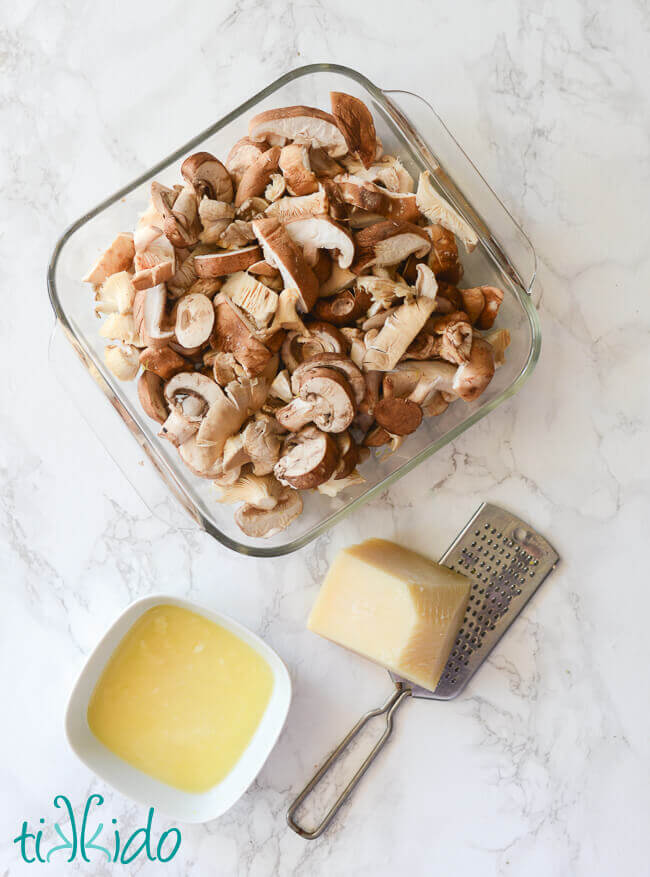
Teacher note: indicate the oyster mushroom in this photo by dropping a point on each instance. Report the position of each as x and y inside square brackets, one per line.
[151, 394]
[387, 243]
[116, 294]
[355, 122]
[243, 154]
[258, 176]
[473, 376]
[388, 170]
[336, 485]
[323, 397]
[150, 317]
[194, 320]
[262, 524]
[276, 188]
[227, 262]
[398, 416]
[295, 166]
[343, 308]
[258, 301]
[118, 257]
[308, 459]
[208, 177]
[163, 361]
[233, 335]
[439, 211]
[300, 124]
[122, 360]
[262, 492]
[122, 328]
[280, 251]
[216, 217]
[373, 199]
[307, 205]
[321, 232]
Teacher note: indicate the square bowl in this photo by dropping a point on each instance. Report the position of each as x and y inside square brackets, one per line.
[409, 128]
[175, 803]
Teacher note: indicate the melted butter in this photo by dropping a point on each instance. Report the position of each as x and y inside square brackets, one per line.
[180, 698]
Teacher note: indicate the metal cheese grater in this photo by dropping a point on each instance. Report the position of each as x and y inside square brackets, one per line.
[507, 562]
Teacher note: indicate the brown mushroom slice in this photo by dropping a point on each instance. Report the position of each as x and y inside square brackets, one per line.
[375, 200]
[262, 524]
[398, 416]
[439, 211]
[151, 396]
[500, 341]
[376, 437]
[344, 308]
[233, 335]
[258, 176]
[295, 166]
[163, 361]
[356, 124]
[336, 361]
[241, 157]
[322, 268]
[304, 125]
[191, 394]
[443, 258]
[320, 232]
[472, 377]
[348, 455]
[227, 262]
[324, 397]
[208, 176]
[387, 243]
[307, 205]
[400, 328]
[159, 273]
[308, 459]
[258, 301]
[194, 320]
[280, 251]
[261, 441]
[118, 257]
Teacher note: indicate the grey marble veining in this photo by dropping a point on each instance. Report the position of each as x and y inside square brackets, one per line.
[541, 767]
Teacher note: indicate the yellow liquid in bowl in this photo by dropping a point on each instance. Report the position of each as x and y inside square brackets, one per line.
[180, 698]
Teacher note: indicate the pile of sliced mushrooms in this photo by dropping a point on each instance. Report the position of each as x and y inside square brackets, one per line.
[293, 308]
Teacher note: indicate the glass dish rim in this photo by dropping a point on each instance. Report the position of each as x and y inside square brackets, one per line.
[522, 292]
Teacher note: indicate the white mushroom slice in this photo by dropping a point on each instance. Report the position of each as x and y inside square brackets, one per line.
[399, 329]
[295, 166]
[320, 232]
[215, 218]
[335, 485]
[258, 176]
[280, 251]
[439, 211]
[388, 243]
[355, 122]
[276, 187]
[242, 156]
[149, 314]
[258, 301]
[120, 327]
[208, 177]
[115, 294]
[339, 279]
[388, 170]
[227, 262]
[375, 200]
[118, 257]
[304, 125]
[191, 394]
[122, 361]
[261, 524]
[307, 205]
[177, 429]
[194, 320]
[308, 459]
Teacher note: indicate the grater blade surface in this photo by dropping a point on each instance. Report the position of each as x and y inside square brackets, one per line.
[507, 561]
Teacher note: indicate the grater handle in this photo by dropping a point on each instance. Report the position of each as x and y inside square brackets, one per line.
[388, 709]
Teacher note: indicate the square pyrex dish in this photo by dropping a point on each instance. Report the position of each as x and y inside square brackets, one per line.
[409, 128]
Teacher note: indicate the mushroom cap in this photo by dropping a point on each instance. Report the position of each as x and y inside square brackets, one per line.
[233, 335]
[398, 416]
[227, 262]
[472, 377]
[151, 396]
[208, 176]
[194, 320]
[308, 459]
[258, 176]
[303, 125]
[280, 250]
[439, 211]
[338, 362]
[387, 243]
[241, 157]
[163, 361]
[321, 232]
[261, 524]
[295, 166]
[356, 124]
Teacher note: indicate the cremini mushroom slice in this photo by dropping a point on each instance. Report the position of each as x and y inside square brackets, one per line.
[443, 258]
[122, 360]
[398, 416]
[439, 211]
[163, 361]
[499, 341]
[116, 294]
[300, 124]
[191, 394]
[151, 393]
[308, 459]
[208, 176]
[149, 314]
[281, 252]
[343, 308]
[348, 454]
[338, 362]
[122, 328]
[375, 200]
[243, 154]
[355, 122]
[233, 335]
[276, 188]
[194, 320]
[262, 524]
[307, 205]
[258, 301]
[388, 170]
[227, 262]
[324, 397]
[320, 232]
[215, 218]
[258, 176]
[118, 257]
[261, 441]
[296, 169]
[387, 243]
[473, 376]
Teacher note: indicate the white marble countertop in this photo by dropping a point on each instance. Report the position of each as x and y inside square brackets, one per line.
[541, 767]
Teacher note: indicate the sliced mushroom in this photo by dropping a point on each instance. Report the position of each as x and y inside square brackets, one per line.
[387, 243]
[227, 262]
[191, 394]
[122, 360]
[348, 455]
[150, 318]
[203, 461]
[355, 122]
[116, 294]
[373, 199]
[261, 440]
[118, 257]
[258, 301]
[443, 257]
[295, 166]
[208, 176]
[321, 232]
[388, 170]
[242, 156]
[233, 335]
[261, 524]
[194, 320]
[122, 328]
[439, 211]
[307, 205]
[178, 429]
[398, 416]
[339, 279]
[472, 377]
[163, 361]
[280, 251]
[336, 361]
[323, 268]
[344, 308]
[308, 459]
[324, 397]
[258, 176]
[179, 211]
[303, 125]
[400, 328]
[152, 397]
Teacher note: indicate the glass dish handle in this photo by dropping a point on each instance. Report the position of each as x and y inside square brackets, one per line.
[453, 173]
[76, 374]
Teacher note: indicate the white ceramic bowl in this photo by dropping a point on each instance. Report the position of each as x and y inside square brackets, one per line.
[175, 803]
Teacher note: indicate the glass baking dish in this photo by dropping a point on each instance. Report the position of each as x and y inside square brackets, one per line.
[409, 128]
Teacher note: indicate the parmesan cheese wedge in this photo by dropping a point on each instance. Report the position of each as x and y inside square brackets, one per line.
[394, 607]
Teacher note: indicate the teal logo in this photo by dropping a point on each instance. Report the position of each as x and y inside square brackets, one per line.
[83, 842]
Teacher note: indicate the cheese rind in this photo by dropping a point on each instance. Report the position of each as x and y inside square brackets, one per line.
[393, 606]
